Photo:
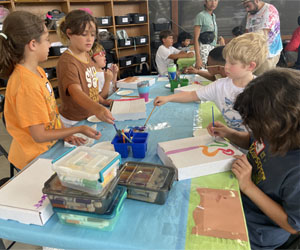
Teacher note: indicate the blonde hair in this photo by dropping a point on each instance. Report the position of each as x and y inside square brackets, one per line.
[97, 47]
[247, 48]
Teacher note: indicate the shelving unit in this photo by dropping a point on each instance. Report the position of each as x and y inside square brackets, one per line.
[99, 8]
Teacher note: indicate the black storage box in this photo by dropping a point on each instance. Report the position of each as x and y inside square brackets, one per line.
[107, 44]
[104, 21]
[3, 82]
[57, 50]
[156, 44]
[139, 40]
[125, 42]
[147, 182]
[122, 19]
[50, 72]
[140, 58]
[137, 18]
[126, 61]
[161, 26]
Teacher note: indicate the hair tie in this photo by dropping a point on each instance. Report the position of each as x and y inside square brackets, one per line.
[2, 34]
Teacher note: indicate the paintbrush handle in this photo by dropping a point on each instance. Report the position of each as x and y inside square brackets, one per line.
[149, 116]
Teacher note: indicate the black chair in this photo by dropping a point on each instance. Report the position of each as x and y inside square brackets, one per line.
[293, 242]
[297, 63]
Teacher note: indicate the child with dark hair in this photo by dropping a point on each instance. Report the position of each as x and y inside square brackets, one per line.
[269, 176]
[215, 65]
[166, 53]
[183, 41]
[31, 114]
[237, 31]
[76, 72]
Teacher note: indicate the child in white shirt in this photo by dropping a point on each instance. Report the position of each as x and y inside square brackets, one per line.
[107, 78]
[243, 55]
[166, 53]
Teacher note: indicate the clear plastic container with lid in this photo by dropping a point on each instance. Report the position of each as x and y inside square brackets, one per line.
[104, 222]
[87, 169]
[68, 198]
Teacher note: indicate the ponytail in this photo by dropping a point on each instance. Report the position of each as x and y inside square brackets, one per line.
[19, 28]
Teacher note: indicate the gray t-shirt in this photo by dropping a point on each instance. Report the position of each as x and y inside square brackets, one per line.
[279, 178]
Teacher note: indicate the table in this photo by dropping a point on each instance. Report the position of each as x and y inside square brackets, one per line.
[141, 225]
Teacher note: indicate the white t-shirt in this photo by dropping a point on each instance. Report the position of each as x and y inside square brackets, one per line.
[223, 93]
[162, 60]
[101, 80]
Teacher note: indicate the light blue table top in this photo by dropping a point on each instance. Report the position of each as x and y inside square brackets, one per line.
[141, 225]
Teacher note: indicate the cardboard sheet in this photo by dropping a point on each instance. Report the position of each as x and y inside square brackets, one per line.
[131, 82]
[129, 109]
[219, 214]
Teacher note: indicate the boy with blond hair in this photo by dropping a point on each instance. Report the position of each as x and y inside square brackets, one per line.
[243, 55]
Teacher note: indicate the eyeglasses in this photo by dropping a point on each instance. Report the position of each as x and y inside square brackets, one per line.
[101, 53]
[212, 66]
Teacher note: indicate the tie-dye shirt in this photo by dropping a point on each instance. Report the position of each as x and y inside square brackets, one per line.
[267, 18]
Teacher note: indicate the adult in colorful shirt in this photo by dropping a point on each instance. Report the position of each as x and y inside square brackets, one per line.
[206, 21]
[264, 17]
[291, 49]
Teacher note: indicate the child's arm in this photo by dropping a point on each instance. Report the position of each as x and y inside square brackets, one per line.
[239, 138]
[40, 134]
[181, 54]
[206, 74]
[87, 103]
[184, 96]
[115, 69]
[197, 30]
[242, 170]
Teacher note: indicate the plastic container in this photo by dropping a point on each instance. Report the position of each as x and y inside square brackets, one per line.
[122, 20]
[57, 50]
[147, 182]
[68, 198]
[126, 61]
[125, 42]
[87, 169]
[137, 18]
[139, 58]
[50, 73]
[138, 145]
[104, 21]
[140, 40]
[178, 83]
[105, 222]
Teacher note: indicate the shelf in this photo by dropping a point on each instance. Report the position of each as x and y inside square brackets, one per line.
[53, 57]
[2, 88]
[41, 1]
[132, 65]
[130, 25]
[90, 1]
[132, 47]
[129, 1]
[4, 2]
[105, 27]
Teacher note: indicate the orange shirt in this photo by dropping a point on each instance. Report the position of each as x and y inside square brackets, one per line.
[29, 100]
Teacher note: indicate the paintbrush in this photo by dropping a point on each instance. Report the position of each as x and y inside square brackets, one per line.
[119, 133]
[149, 117]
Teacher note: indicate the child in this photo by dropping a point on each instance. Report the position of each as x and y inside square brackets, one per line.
[269, 176]
[215, 65]
[166, 53]
[243, 54]
[76, 72]
[107, 78]
[31, 114]
[183, 41]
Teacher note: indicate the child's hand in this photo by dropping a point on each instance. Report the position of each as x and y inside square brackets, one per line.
[218, 130]
[221, 41]
[90, 132]
[114, 68]
[104, 114]
[199, 64]
[160, 100]
[242, 170]
[192, 70]
[75, 140]
[190, 54]
[106, 102]
[108, 75]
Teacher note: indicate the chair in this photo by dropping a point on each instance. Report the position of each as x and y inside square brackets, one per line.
[293, 242]
[297, 63]
[2, 150]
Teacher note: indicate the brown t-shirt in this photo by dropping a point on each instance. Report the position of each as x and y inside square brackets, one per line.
[71, 70]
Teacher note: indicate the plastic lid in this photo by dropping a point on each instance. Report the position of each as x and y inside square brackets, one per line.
[85, 162]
